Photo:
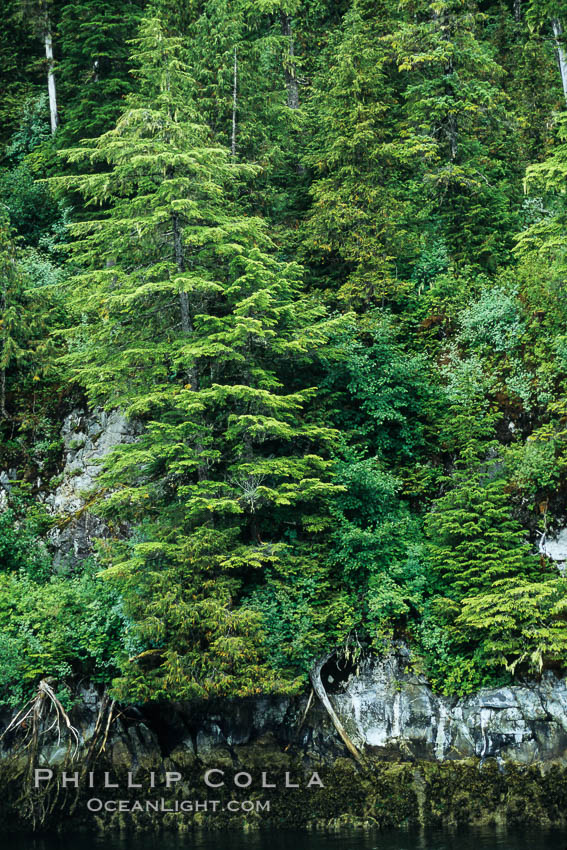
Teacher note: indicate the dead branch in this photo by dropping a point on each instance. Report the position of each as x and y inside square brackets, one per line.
[40, 709]
[319, 688]
[41, 715]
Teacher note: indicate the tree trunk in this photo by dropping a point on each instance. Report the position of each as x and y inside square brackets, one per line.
[3, 305]
[3, 411]
[319, 688]
[517, 11]
[234, 93]
[289, 65]
[50, 76]
[186, 325]
[561, 55]
[453, 136]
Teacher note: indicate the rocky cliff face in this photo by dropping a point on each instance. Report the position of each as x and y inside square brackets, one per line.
[392, 712]
[496, 757]
[87, 438]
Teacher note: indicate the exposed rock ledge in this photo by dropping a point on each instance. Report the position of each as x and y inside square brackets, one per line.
[497, 757]
[88, 436]
[392, 711]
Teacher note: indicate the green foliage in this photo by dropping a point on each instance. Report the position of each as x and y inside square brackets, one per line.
[359, 222]
[92, 75]
[377, 549]
[303, 478]
[33, 129]
[379, 394]
[493, 607]
[474, 540]
[493, 322]
[266, 130]
[21, 74]
[209, 321]
[26, 353]
[68, 627]
[21, 547]
[31, 208]
[519, 623]
[34, 214]
[455, 117]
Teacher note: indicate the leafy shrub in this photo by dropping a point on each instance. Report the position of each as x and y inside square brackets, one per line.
[66, 627]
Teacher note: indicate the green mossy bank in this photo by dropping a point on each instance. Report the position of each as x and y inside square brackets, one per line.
[379, 795]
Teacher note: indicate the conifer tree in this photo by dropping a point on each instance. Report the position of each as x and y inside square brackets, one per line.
[359, 225]
[474, 540]
[191, 324]
[494, 605]
[93, 72]
[20, 78]
[545, 238]
[455, 108]
[26, 317]
[241, 63]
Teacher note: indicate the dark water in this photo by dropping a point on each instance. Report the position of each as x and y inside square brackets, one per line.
[486, 839]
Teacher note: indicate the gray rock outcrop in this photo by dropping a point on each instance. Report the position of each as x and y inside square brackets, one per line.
[389, 711]
[392, 712]
[87, 438]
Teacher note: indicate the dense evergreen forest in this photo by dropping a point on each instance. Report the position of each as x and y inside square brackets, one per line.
[315, 250]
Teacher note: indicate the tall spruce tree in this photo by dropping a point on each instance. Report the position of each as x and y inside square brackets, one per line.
[246, 82]
[190, 323]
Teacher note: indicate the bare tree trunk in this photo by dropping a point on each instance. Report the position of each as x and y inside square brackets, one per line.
[561, 56]
[517, 11]
[453, 135]
[319, 688]
[50, 75]
[234, 104]
[289, 65]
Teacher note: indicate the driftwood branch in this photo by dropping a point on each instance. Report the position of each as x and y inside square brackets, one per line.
[319, 688]
[306, 712]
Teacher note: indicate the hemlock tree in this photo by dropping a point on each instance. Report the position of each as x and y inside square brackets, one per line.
[20, 78]
[549, 16]
[544, 239]
[246, 81]
[26, 318]
[474, 540]
[93, 76]
[455, 108]
[493, 605]
[190, 323]
[359, 225]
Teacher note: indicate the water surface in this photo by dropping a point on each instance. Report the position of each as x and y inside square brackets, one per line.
[483, 839]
